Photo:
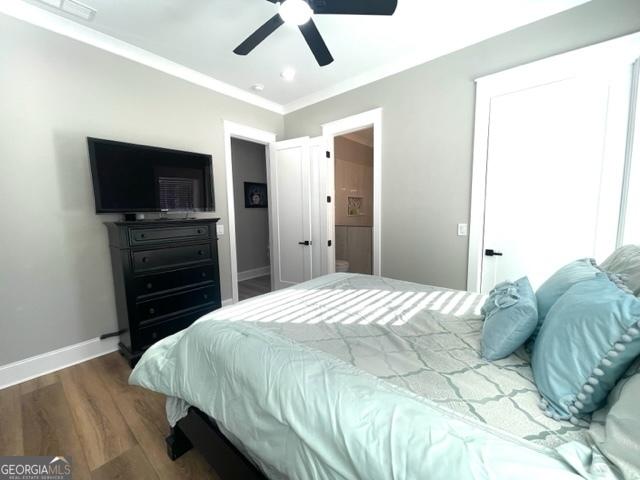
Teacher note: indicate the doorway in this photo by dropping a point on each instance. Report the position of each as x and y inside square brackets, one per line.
[261, 141]
[356, 228]
[353, 184]
[552, 155]
[251, 209]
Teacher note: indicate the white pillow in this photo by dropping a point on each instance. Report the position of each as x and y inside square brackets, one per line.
[626, 261]
[614, 429]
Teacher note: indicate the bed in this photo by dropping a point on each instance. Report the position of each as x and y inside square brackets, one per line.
[354, 376]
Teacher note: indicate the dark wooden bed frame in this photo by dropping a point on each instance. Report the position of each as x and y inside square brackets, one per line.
[197, 430]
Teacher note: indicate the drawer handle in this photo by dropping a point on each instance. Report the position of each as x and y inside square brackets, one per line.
[149, 285]
[154, 335]
[200, 252]
[199, 231]
[145, 259]
[203, 274]
[205, 296]
[142, 235]
[152, 310]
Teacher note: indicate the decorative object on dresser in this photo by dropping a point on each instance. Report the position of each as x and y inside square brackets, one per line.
[166, 276]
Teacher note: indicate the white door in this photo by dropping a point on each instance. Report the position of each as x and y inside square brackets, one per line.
[554, 176]
[290, 210]
[320, 213]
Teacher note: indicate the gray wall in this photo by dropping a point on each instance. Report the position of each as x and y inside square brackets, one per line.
[55, 276]
[252, 224]
[428, 116]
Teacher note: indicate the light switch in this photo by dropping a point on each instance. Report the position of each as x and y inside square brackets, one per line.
[463, 230]
[219, 229]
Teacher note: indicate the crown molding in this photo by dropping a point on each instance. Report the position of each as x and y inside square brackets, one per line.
[63, 26]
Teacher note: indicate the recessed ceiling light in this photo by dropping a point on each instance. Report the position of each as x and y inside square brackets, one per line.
[53, 3]
[72, 7]
[288, 74]
[78, 9]
[258, 87]
[295, 12]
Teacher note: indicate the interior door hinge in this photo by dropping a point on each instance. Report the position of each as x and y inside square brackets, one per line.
[328, 198]
[328, 154]
[329, 243]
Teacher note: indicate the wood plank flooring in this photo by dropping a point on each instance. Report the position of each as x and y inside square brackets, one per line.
[254, 287]
[88, 411]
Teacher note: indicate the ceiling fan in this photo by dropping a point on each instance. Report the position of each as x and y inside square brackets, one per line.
[300, 12]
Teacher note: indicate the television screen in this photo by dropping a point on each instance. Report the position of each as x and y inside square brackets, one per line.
[131, 178]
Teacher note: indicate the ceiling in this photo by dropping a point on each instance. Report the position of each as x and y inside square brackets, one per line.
[365, 136]
[201, 34]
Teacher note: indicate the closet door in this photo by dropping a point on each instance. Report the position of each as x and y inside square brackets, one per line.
[555, 161]
[290, 210]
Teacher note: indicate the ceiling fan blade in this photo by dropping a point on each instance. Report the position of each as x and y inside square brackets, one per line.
[354, 7]
[259, 35]
[316, 43]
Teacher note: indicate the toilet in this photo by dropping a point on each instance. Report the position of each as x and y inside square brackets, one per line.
[342, 266]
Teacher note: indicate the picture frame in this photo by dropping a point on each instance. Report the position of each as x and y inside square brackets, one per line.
[255, 195]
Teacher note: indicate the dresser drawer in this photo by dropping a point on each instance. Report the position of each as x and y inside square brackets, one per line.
[146, 336]
[142, 236]
[154, 310]
[171, 257]
[161, 282]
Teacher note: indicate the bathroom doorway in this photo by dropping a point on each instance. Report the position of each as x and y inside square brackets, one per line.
[354, 220]
[353, 177]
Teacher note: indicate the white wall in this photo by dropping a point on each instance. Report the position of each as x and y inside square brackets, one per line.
[55, 275]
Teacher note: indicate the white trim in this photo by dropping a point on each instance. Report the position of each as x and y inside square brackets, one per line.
[254, 273]
[587, 60]
[64, 26]
[371, 118]
[227, 302]
[634, 111]
[36, 366]
[251, 134]
[592, 60]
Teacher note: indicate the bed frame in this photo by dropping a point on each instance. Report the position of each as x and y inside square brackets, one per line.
[198, 431]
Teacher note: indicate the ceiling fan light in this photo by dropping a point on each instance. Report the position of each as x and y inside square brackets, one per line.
[295, 12]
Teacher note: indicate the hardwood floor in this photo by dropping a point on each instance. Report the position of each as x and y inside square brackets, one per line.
[88, 411]
[254, 287]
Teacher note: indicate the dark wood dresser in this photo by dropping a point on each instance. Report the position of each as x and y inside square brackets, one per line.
[166, 276]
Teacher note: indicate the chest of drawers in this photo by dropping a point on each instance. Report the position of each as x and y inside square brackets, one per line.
[165, 275]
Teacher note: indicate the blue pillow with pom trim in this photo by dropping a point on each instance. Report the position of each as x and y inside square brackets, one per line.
[588, 340]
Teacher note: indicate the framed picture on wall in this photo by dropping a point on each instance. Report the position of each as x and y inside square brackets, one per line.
[255, 195]
[354, 206]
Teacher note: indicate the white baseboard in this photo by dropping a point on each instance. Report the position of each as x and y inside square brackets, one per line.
[32, 367]
[228, 301]
[254, 273]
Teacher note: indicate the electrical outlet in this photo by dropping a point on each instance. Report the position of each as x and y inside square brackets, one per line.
[219, 229]
[463, 230]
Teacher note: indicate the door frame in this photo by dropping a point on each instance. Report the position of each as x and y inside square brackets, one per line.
[242, 132]
[589, 60]
[353, 123]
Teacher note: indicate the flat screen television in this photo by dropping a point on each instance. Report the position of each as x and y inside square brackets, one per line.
[130, 178]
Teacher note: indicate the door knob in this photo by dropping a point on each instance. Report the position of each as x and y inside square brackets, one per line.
[489, 252]
[305, 243]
